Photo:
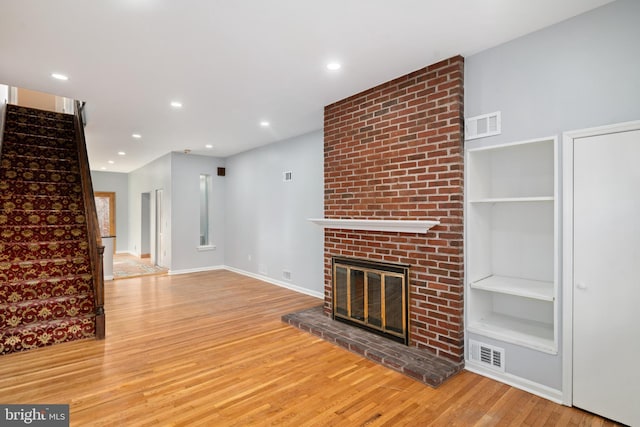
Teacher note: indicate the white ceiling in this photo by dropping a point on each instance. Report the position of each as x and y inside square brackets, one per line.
[233, 63]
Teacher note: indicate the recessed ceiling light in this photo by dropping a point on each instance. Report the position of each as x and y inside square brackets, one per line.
[264, 123]
[104, 168]
[136, 135]
[121, 153]
[59, 76]
[208, 146]
[333, 66]
[176, 104]
[110, 162]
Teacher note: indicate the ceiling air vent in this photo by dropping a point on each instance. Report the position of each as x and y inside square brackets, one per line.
[487, 355]
[287, 176]
[481, 126]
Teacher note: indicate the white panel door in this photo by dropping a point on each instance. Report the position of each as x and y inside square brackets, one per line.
[606, 293]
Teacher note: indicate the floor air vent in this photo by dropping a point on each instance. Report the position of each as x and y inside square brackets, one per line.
[488, 355]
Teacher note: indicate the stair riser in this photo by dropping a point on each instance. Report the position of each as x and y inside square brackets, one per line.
[40, 188]
[26, 129]
[31, 112]
[14, 252]
[42, 218]
[42, 233]
[44, 151]
[16, 292]
[29, 270]
[34, 336]
[42, 121]
[24, 162]
[43, 203]
[13, 140]
[36, 175]
[14, 316]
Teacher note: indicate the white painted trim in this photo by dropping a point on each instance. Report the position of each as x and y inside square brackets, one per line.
[398, 226]
[206, 248]
[520, 383]
[127, 253]
[510, 144]
[195, 270]
[108, 277]
[272, 281]
[568, 139]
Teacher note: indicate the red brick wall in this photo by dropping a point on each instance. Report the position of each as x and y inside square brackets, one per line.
[395, 152]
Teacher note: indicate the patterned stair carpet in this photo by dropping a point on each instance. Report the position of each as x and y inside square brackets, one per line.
[46, 289]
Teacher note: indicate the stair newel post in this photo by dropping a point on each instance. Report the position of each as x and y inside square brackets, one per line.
[96, 252]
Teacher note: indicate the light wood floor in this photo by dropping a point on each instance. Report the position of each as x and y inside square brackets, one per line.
[209, 349]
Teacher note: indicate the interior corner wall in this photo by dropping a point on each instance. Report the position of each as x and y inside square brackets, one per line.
[580, 73]
[185, 201]
[266, 225]
[119, 184]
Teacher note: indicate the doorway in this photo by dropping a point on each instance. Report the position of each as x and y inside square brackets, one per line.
[106, 209]
[145, 225]
[601, 278]
[160, 251]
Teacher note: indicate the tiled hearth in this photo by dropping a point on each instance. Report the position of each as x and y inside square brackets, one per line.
[419, 364]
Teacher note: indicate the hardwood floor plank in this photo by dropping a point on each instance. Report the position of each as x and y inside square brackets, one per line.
[209, 349]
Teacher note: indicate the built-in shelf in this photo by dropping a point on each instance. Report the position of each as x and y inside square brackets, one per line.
[534, 289]
[513, 199]
[399, 226]
[511, 243]
[536, 335]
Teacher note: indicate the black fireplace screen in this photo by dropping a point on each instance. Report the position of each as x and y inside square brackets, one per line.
[372, 295]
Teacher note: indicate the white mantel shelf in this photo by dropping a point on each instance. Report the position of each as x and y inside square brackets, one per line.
[398, 226]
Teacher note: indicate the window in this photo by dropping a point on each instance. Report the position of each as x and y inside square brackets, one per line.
[205, 210]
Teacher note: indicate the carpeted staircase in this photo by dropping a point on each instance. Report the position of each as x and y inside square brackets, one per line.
[46, 282]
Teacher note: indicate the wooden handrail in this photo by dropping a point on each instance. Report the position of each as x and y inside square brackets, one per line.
[96, 250]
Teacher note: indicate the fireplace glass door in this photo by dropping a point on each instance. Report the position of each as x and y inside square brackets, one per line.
[371, 295]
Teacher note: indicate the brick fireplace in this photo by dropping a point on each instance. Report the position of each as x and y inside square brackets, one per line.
[394, 152]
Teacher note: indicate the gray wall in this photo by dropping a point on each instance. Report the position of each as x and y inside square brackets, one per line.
[186, 170]
[119, 184]
[147, 179]
[581, 73]
[266, 219]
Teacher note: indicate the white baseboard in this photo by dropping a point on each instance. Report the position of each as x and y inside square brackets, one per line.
[196, 270]
[280, 283]
[108, 277]
[127, 253]
[517, 382]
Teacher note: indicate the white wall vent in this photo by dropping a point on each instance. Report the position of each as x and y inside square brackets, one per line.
[286, 275]
[287, 176]
[481, 126]
[487, 355]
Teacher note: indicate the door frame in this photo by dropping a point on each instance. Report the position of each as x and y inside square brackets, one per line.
[111, 195]
[159, 228]
[568, 140]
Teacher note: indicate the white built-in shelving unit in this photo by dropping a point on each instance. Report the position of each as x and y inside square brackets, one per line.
[511, 225]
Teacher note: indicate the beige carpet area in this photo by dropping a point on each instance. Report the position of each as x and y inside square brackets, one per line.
[127, 265]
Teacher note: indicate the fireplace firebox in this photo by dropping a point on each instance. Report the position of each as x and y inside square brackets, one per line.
[372, 295]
